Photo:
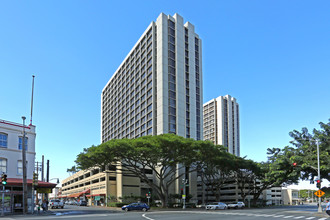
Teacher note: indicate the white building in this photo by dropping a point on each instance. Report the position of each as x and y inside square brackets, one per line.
[157, 89]
[221, 123]
[11, 135]
[281, 196]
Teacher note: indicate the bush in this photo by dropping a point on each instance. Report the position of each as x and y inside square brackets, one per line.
[116, 204]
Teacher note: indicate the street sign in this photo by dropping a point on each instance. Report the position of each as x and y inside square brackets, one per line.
[319, 193]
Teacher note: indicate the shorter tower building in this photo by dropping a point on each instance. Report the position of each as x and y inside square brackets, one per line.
[221, 123]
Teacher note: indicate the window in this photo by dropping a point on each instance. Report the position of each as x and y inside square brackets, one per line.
[20, 143]
[3, 165]
[172, 128]
[172, 86]
[171, 54]
[172, 103]
[19, 167]
[149, 132]
[171, 47]
[3, 140]
[172, 119]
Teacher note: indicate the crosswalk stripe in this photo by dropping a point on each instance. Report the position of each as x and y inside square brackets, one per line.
[299, 217]
[310, 218]
[278, 216]
[290, 216]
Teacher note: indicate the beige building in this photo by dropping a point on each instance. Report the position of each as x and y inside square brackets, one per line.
[157, 89]
[99, 187]
[281, 196]
[221, 123]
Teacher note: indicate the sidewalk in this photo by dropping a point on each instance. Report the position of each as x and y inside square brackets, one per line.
[36, 213]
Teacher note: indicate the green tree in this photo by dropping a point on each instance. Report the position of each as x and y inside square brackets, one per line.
[160, 153]
[305, 149]
[218, 171]
[72, 170]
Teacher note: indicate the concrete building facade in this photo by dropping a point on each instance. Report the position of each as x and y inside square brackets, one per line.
[222, 123]
[157, 89]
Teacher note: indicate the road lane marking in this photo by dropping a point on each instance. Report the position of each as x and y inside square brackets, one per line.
[144, 216]
[69, 216]
[231, 213]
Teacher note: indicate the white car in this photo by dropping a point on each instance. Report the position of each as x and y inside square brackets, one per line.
[216, 205]
[238, 205]
[56, 203]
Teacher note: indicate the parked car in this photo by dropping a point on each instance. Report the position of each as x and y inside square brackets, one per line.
[136, 206]
[82, 203]
[55, 203]
[238, 205]
[216, 205]
[71, 202]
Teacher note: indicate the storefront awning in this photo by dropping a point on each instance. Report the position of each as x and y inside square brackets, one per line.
[95, 195]
[86, 191]
[19, 182]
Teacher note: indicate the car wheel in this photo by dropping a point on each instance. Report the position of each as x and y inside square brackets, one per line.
[226, 207]
[62, 207]
[126, 209]
[144, 209]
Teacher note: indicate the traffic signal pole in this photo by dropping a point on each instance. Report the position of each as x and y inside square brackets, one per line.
[3, 201]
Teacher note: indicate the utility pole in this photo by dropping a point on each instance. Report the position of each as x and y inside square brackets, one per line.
[42, 175]
[318, 172]
[47, 180]
[42, 168]
[24, 169]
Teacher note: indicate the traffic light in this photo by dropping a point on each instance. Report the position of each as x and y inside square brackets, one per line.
[4, 179]
[35, 179]
[294, 164]
[318, 184]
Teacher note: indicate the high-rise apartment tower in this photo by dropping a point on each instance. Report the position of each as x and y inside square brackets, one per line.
[221, 123]
[157, 88]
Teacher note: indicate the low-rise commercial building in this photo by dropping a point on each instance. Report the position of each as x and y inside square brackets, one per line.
[11, 163]
[98, 187]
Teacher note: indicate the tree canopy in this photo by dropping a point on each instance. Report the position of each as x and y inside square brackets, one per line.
[160, 153]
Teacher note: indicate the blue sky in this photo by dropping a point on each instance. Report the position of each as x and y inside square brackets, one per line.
[272, 56]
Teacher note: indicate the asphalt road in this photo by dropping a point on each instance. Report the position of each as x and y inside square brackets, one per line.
[308, 212]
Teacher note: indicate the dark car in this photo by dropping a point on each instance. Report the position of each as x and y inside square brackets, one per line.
[136, 206]
[82, 203]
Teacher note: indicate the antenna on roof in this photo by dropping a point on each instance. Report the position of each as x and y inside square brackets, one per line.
[32, 98]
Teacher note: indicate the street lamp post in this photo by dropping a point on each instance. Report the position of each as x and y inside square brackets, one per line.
[24, 169]
[318, 169]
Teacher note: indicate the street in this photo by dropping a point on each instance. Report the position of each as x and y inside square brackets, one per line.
[75, 212]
